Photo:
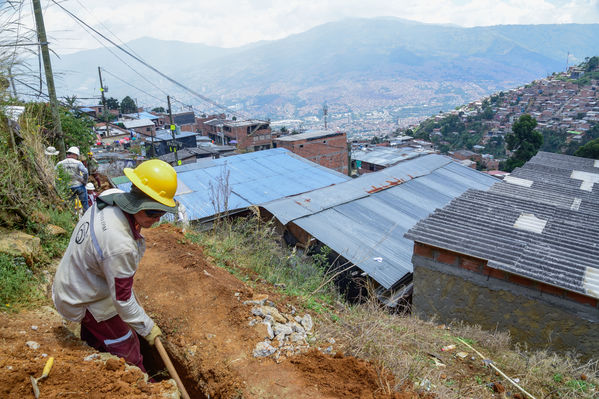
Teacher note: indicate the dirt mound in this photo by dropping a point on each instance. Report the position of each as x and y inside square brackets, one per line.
[28, 339]
[201, 309]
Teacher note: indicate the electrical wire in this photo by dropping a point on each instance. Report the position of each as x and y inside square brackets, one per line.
[129, 84]
[216, 104]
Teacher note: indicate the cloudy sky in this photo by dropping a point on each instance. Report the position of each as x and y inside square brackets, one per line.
[230, 23]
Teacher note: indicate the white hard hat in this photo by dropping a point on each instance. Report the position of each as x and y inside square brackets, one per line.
[90, 186]
[51, 151]
[73, 150]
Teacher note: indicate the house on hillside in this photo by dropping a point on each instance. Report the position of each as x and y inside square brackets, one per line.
[522, 256]
[163, 142]
[364, 220]
[250, 135]
[144, 127]
[325, 147]
[156, 119]
[186, 121]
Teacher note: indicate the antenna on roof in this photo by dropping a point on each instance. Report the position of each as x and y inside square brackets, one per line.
[567, 61]
[325, 111]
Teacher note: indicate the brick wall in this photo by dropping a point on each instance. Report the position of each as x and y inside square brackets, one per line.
[450, 286]
[330, 152]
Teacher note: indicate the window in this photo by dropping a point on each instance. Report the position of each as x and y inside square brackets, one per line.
[301, 146]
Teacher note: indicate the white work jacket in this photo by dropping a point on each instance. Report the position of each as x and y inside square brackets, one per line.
[76, 170]
[96, 272]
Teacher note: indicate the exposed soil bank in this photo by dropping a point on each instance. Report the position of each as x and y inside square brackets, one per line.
[200, 309]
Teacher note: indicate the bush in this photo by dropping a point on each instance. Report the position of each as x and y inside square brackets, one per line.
[18, 285]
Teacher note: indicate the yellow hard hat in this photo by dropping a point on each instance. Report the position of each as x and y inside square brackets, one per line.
[155, 178]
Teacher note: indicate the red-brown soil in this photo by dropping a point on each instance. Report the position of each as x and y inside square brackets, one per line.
[71, 376]
[207, 333]
[200, 310]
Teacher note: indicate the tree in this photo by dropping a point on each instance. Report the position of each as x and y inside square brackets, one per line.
[128, 106]
[161, 110]
[112, 103]
[77, 130]
[589, 150]
[524, 142]
[592, 63]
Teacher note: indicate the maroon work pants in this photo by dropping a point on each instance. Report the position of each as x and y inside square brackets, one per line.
[113, 336]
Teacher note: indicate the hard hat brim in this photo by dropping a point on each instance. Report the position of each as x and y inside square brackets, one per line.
[147, 190]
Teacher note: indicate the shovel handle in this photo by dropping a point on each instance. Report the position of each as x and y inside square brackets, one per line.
[170, 367]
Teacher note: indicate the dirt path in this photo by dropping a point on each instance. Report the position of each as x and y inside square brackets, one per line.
[201, 309]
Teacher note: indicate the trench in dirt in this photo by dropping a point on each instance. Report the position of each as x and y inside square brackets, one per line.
[157, 370]
[210, 340]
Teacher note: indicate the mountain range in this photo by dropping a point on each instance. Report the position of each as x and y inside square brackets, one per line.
[356, 66]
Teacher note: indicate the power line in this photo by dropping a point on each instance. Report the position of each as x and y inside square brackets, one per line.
[129, 84]
[148, 65]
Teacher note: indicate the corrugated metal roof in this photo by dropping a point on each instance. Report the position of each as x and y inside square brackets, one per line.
[310, 134]
[364, 219]
[548, 231]
[165, 134]
[254, 178]
[386, 156]
[141, 115]
[133, 123]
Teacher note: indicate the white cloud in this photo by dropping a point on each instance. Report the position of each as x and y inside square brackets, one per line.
[232, 23]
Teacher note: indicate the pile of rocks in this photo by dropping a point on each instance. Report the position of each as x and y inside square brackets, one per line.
[285, 335]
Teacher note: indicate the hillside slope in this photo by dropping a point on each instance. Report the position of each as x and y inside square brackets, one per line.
[355, 64]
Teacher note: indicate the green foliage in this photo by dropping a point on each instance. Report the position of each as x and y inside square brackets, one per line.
[249, 244]
[18, 285]
[592, 64]
[524, 142]
[77, 130]
[580, 385]
[586, 79]
[112, 103]
[589, 150]
[160, 109]
[128, 106]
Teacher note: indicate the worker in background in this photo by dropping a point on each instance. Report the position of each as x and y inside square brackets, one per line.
[51, 151]
[91, 194]
[93, 284]
[78, 173]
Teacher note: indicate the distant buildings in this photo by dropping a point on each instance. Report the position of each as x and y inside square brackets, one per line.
[324, 147]
[252, 135]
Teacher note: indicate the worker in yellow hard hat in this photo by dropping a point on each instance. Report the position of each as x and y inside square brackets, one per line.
[94, 280]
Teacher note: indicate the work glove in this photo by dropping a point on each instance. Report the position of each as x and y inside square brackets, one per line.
[153, 334]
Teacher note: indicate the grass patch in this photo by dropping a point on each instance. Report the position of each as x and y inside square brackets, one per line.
[18, 284]
[399, 343]
[250, 245]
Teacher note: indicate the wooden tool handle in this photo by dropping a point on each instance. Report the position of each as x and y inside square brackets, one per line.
[170, 367]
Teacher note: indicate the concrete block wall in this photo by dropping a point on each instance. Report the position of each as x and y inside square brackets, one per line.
[452, 286]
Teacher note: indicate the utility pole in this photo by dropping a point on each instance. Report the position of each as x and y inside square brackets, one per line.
[12, 82]
[41, 34]
[325, 111]
[173, 127]
[105, 112]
